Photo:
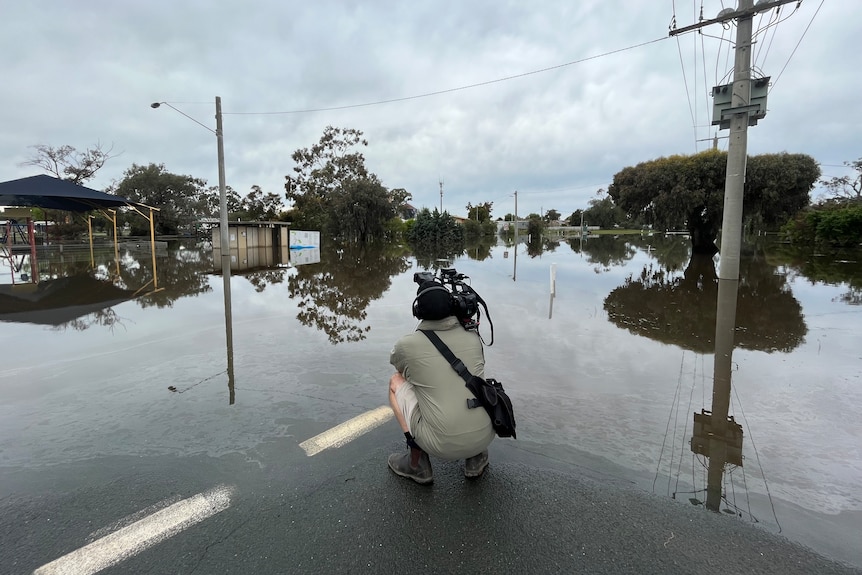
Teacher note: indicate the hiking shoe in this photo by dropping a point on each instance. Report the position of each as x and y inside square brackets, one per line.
[475, 466]
[422, 473]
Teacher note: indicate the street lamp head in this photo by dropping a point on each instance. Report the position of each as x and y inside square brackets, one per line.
[177, 110]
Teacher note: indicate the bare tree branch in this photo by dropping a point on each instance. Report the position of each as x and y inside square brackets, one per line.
[67, 163]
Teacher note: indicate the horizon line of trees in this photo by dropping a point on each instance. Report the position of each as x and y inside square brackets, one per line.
[332, 190]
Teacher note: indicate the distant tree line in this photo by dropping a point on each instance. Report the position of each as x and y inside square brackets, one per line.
[687, 193]
[835, 220]
[331, 189]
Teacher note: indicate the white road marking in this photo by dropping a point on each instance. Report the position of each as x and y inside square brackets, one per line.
[133, 518]
[133, 539]
[346, 432]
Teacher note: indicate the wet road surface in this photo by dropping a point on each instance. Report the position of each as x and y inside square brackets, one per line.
[343, 511]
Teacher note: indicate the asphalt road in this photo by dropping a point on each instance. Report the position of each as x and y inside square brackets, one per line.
[343, 511]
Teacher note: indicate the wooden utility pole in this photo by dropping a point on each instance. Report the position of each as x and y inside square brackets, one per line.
[731, 237]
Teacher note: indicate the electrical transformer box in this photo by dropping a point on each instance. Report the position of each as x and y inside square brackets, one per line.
[722, 105]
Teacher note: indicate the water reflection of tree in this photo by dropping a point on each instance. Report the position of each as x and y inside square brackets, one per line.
[837, 268]
[673, 253]
[479, 249]
[181, 273]
[538, 245]
[104, 317]
[603, 251]
[428, 259]
[681, 309]
[262, 278]
[335, 293]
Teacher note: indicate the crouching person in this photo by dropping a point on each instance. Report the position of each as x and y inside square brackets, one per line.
[429, 398]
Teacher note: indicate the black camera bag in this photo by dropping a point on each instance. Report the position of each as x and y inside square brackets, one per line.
[488, 393]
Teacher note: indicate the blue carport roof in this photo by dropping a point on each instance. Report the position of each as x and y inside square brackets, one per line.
[44, 191]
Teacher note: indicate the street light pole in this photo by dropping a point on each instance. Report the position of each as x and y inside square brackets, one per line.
[224, 238]
[219, 133]
[222, 189]
[225, 252]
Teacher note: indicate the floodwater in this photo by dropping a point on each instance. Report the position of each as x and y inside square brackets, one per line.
[606, 346]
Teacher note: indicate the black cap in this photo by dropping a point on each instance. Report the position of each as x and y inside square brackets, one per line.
[433, 301]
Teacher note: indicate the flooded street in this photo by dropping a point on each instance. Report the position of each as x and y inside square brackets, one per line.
[607, 372]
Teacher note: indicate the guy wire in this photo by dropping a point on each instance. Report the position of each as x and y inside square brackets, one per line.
[675, 425]
[667, 428]
[757, 456]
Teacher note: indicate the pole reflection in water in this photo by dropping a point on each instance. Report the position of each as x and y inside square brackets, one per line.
[515, 254]
[515, 259]
[721, 438]
[228, 325]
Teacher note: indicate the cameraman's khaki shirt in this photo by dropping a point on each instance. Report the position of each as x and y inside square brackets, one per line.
[443, 425]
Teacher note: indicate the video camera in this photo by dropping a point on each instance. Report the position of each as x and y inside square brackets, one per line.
[464, 299]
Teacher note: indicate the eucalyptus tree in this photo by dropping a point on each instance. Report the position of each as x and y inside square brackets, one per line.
[181, 199]
[360, 211]
[257, 205]
[847, 187]
[67, 163]
[552, 215]
[331, 189]
[480, 212]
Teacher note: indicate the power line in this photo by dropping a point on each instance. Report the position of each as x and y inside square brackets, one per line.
[705, 86]
[566, 189]
[771, 24]
[687, 92]
[448, 90]
[775, 81]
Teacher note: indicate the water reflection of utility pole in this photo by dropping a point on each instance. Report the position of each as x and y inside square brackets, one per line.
[228, 325]
[715, 435]
[515, 265]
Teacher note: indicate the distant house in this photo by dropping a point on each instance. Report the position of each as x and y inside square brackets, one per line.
[408, 212]
[523, 225]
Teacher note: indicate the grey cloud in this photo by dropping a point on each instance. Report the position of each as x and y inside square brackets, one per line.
[77, 73]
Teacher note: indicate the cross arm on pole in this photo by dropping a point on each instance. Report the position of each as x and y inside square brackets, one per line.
[762, 7]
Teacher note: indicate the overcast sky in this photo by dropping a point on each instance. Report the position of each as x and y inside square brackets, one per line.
[81, 72]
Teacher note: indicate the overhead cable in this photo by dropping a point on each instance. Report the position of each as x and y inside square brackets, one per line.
[448, 90]
[687, 92]
[775, 81]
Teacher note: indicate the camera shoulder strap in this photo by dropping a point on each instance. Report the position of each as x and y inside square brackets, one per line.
[456, 364]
